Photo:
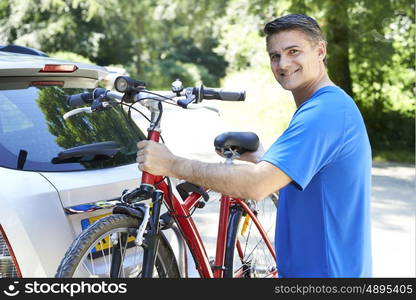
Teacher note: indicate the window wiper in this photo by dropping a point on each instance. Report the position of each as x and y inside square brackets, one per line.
[89, 152]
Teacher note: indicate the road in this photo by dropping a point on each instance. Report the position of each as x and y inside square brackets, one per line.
[393, 220]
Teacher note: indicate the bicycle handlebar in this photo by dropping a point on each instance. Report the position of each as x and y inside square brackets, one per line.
[221, 94]
[183, 97]
[200, 93]
[84, 98]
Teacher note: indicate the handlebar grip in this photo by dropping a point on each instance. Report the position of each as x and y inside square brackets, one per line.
[220, 94]
[84, 98]
[79, 99]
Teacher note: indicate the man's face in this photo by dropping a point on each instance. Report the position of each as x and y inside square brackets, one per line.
[296, 61]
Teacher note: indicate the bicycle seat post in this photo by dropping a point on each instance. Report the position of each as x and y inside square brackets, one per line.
[230, 155]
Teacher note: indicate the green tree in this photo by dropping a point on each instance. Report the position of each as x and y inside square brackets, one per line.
[156, 40]
[371, 50]
[371, 45]
[168, 36]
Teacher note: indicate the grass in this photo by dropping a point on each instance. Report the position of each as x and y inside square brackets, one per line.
[401, 156]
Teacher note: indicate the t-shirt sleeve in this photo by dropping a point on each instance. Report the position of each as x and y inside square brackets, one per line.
[311, 141]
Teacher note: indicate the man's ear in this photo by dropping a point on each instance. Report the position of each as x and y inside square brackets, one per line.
[322, 50]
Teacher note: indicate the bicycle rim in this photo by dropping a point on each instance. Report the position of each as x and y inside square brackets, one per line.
[247, 254]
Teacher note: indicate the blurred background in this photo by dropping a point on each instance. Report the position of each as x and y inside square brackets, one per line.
[371, 55]
[371, 52]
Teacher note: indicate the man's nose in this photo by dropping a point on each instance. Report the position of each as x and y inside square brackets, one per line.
[284, 62]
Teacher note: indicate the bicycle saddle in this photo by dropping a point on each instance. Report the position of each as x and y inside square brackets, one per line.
[238, 141]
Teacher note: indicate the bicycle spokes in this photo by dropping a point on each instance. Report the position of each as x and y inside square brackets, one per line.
[254, 258]
[113, 255]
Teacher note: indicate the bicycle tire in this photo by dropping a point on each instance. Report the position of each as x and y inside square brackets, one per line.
[93, 237]
[254, 259]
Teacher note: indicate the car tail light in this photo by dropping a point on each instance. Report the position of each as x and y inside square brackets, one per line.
[47, 83]
[8, 263]
[59, 68]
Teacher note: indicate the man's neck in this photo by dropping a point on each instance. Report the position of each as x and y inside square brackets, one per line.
[302, 94]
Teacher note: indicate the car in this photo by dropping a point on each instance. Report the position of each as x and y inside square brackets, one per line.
[50, 188]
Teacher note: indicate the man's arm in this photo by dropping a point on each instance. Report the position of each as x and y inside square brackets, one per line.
[252, 181]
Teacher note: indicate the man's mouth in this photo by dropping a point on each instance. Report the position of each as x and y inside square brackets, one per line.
[289, 74]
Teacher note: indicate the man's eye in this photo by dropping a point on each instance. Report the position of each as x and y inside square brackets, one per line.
[274, 57]
[293, 51]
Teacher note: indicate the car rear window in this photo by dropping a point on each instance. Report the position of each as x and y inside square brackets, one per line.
[33, 131]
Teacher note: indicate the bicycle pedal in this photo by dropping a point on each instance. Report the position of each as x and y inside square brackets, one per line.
[200, 204]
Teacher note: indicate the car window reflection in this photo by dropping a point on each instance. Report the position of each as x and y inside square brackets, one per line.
[32, 123]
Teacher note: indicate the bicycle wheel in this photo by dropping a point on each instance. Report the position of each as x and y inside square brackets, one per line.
[247, 254]
[107, 249]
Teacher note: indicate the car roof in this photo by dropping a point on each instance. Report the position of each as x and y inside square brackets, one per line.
[17, 65]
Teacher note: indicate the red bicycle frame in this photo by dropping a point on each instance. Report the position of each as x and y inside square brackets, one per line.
[180, 211]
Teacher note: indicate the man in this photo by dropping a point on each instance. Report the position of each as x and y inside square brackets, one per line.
[321, 164]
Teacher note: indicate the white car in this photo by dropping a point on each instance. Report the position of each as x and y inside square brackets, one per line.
[50, 190]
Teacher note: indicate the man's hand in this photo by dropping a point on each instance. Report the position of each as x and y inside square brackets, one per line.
[154, 158]
[253, 157]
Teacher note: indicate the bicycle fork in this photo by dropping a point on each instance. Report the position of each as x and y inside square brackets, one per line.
[152, 236]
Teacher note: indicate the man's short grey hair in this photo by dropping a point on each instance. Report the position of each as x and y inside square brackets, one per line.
[301, 22]
[295, 21]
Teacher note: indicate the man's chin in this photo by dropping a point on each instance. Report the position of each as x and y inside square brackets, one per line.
[288, 86]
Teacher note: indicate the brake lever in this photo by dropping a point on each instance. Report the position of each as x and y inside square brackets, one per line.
[190, 97]
[98, 103]
[89, 110]
[184, 103]
[216, 110]
[77, 111]
[198, 106]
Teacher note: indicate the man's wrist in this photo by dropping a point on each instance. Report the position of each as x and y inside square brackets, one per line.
[175, 166]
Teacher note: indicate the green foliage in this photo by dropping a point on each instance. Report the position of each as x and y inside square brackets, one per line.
[402, 156]
[170, 34]
[65, 55]
[371, 45]
[381, 60]
[371, 51]
[165, 71]
[238, 32]
[142, 35]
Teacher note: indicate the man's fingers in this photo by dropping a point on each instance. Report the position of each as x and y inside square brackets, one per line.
[142, 144]
[140, 159]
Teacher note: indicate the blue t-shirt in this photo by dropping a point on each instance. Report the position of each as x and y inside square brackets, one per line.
[323, 217]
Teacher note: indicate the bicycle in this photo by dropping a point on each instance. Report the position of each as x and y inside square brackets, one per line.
[131, 242]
